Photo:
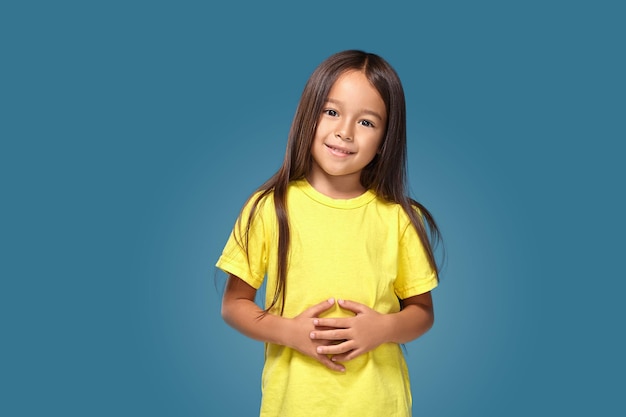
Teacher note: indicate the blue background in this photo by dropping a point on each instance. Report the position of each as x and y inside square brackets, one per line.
[132, 132]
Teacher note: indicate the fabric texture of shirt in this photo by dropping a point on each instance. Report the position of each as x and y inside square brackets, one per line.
[361, 249]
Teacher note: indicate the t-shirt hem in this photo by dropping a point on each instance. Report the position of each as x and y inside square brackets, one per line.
[418, 289]
[231, 267]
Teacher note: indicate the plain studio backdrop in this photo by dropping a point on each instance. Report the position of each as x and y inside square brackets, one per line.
[132, 132]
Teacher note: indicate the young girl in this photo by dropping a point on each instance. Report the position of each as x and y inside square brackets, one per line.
[347, 254]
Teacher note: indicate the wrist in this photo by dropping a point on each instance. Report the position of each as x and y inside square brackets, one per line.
[388, 322]
[284, 328]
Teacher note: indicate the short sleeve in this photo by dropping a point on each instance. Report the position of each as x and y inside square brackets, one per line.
[250, 265]
[415, 275]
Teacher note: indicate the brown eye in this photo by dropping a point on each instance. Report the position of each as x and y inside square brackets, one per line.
[331, 112]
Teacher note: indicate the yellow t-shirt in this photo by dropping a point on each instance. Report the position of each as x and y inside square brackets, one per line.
[361, 249]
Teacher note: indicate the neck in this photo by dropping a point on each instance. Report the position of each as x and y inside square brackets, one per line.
[339, 187]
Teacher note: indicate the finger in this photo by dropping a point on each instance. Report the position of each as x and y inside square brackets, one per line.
[332, 365]
[341, 334]
[335, 349]
[342, 323]
[352, 306]
[318, 309]
[348, 356]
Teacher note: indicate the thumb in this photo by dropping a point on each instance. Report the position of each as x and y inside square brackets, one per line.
[352, 306]
[318, 309]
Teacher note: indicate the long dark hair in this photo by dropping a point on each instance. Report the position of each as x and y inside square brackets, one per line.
[385, 174]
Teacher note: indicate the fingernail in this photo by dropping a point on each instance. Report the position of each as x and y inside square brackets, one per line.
[316, 322]
[340, 301]
[319, 350]
[312, 335]
[331, 300]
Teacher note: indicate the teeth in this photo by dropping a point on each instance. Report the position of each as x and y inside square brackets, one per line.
[339, 150]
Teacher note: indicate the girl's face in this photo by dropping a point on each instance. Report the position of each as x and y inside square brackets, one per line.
[349, 133]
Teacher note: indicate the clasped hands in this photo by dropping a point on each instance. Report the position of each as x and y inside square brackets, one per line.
[335, 340]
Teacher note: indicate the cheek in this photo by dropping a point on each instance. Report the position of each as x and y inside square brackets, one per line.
[321, 127]
[371, 153]
[377, 143]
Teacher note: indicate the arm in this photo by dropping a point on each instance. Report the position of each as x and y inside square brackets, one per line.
[416, 318]
[241, 312]
[368, 329]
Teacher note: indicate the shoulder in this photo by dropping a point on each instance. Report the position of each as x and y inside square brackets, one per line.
[259, 199]
[406, 216]
[392, 209]
[258, 206]
[262, 201]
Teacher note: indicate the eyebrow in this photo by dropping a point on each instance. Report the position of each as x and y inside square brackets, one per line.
[366, 111]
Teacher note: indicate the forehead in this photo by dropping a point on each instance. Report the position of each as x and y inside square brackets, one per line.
[353, 89]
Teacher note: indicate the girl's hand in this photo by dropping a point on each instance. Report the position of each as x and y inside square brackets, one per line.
[302, 326]
[350, 337]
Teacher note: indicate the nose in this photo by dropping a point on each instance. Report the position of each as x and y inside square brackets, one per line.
[344, 132]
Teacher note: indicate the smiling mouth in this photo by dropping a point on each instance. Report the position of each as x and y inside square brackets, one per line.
[339, 150]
